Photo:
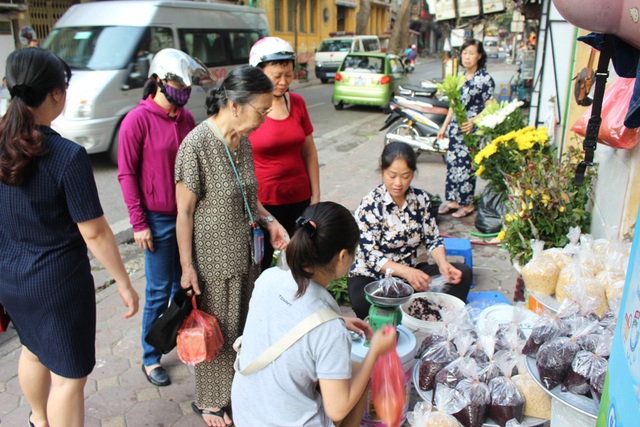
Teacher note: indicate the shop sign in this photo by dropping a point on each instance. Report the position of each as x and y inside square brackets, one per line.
[492, 6]
[621, 394]
[468, 8]
[346, 3]
[445, 9]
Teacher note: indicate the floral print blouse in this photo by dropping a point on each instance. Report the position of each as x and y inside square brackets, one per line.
[389, 232]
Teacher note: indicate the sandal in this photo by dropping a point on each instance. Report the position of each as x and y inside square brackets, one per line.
[463, 211]
[447, 208]
[220, 414]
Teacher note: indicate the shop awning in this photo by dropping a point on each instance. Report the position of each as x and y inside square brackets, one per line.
[346, 3]
[10, 7]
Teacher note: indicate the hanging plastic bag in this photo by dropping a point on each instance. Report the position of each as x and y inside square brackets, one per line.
[491, 210]
[614, 109]
[387, 385]
[200, 338]
[541, 273]
[506, 400]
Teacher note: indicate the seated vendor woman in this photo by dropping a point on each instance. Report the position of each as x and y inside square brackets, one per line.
[394, 221]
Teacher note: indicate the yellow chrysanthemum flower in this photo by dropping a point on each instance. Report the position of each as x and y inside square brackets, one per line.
[562, 209]
[528, 192]
[501, 235]
[480, 170]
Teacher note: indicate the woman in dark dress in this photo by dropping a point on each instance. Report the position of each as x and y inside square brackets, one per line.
[475, 93]
[50, 214]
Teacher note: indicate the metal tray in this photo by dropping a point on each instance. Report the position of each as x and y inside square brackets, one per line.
[582, 404]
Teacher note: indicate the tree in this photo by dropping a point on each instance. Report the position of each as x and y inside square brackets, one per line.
[362, 18]
[400, 35]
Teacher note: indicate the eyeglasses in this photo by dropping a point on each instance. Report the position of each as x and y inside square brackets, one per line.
[262, 113]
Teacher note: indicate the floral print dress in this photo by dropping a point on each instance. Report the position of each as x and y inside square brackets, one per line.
[461, 180]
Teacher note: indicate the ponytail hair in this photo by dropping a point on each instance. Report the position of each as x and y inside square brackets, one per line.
[150, 88]
[324, 230]
[32, 74]
[241, 86]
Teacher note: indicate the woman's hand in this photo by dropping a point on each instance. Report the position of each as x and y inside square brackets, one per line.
[383, 340]
[441, 133]
[279, 236]
[358, 326]
[455, 275]
[418, 279]
[190, 279]
[130, 299]
[467, 127]
[144, 239]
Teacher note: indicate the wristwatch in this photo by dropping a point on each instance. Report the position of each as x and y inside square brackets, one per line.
[267, 219]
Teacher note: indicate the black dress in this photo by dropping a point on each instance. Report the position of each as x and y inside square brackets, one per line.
[46, 284]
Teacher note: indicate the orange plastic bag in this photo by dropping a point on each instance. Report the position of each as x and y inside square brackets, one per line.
[387, 386]
[200, 338]
[614, 109]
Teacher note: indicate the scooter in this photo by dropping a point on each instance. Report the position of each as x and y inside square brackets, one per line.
[417, 121]
[409, 65]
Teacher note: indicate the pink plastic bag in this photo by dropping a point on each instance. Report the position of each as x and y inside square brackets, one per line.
[387, 386]
[200, 338]
[614, 109]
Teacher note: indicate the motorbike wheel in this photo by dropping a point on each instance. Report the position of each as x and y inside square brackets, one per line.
[404, 129]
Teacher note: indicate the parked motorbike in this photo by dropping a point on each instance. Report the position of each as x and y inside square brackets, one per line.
[416, 120]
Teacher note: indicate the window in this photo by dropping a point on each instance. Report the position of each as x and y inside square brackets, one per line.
[312, 16]
[276, 14]
[363, 64]
[302, 14]
[216, 48]
[290, 15]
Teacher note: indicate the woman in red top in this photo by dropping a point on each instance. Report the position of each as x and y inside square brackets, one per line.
[284, 153]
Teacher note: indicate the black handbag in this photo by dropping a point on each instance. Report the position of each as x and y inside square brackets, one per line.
[164, 330]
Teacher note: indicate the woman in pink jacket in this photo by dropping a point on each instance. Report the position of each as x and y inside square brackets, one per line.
[149, 139]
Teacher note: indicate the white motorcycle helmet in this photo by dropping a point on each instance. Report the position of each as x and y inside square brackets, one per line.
[177, 66]
[270, 49]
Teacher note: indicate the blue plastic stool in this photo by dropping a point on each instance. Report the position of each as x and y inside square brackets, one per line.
[459, 247]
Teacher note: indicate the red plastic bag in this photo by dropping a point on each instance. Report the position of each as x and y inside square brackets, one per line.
[614, 109]
[200, 338]
[387, 386]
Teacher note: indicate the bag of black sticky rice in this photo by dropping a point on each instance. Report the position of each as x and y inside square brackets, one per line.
[476, 395]
[432, 338]
[433, 360]
[454, 372]
[550, 326]
[488, 370]
[506, 400]
[588, 365]
[389, 287]
[554, 357]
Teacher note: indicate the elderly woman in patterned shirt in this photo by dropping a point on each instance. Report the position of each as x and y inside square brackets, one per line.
[394, 221]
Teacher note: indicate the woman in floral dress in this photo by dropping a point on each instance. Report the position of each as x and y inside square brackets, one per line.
[476, 91]
[216, 183]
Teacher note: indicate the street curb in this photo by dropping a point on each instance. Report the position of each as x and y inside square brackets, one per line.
[123, 231]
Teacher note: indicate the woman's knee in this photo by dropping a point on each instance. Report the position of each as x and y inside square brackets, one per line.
[359, 303]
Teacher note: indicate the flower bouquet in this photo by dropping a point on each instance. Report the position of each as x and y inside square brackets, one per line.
[544, 203]
[499, 119]
[509, 153]
[451, 86]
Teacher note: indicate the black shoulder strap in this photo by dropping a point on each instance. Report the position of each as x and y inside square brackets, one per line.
[591, 137]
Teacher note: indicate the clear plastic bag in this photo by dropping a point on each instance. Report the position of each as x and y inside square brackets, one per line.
[424, 416]
[477, 397]
[433, 360]
[537, 402]
[589, 288]
[588, 365]
[506, 400]
[540, 274]
[559, 256]
[572, 272]
[389, 287]
[555, 357]
[574, 241]
[545, 329]
[387, 386]
[455, 371]
[200, 338]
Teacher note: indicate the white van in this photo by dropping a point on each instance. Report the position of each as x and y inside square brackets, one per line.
[332, 51]
[491, 46]
[109, 45]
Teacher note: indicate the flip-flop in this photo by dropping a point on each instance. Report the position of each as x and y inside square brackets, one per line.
[445, 209]
[201, 412]
[463, 211]
[29, 420]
